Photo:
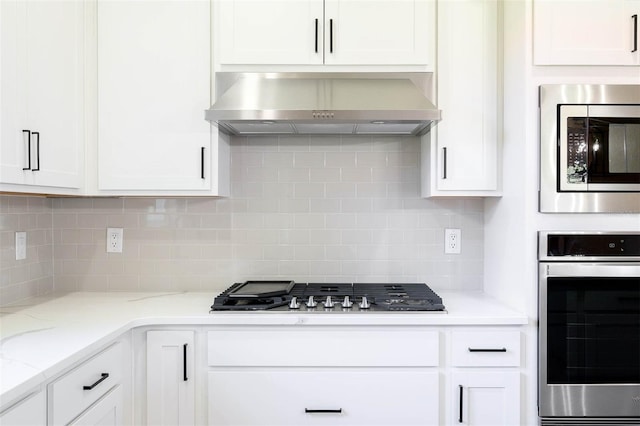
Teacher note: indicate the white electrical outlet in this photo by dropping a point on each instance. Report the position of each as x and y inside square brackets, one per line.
[21, 245]
[114, 240]
[452, 240]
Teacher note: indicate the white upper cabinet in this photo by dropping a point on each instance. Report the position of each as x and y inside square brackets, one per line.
[586, 32]
[460, 155]
[153, 85]
[271, 32]
[331, 32]
[42, 96]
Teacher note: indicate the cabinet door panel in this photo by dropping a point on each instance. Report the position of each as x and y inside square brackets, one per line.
[28, 412]
[467, 137]
[271, 32]
[281, 396]
[485, 398]
[378, 32]
[55, 81]
[589, 32]
[154, 83]
[170, 381]
[42, 91]
[106, 412]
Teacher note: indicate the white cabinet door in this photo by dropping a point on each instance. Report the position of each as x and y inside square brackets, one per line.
[28, 412]
[586, 32]
[320, 396]
[170, 381]
[42, 93]
[333, 32]
[377, 32]
[271, 32]
[154, 83]
[485, 398]
[460, 155]
[105, 412]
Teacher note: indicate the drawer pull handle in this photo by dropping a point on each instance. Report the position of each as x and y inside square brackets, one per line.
[184, 363]
[460, 407]
[102, 378]
[487, 349]
[444, 163]
[28, 132]
[324, 411]
[37, 150]
[635, 33]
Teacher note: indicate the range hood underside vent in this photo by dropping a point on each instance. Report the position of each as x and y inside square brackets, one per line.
[323, 104]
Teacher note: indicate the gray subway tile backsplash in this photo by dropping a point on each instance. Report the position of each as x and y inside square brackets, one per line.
[307, 208]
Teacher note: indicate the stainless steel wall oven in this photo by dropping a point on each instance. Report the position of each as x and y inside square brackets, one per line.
[590, 148]
[589, 329]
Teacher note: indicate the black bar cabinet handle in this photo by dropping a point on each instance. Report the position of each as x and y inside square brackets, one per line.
[28, 132]
[102, 378]
[37, 134]
[184, 363]
[635, 33]
[487, 349]
[325, 411]
[202, 162]
[444, 163]
[460, 408]
[316, 43]
[330, 35]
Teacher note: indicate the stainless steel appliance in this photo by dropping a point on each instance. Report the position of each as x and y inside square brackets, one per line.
[326, 298]
[323, 103]
[590, 148]
[589, 329]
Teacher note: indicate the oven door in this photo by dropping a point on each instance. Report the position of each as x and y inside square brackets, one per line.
[589, 340]
[599, 148]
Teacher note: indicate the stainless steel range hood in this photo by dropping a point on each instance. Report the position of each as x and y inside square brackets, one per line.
[323, 103]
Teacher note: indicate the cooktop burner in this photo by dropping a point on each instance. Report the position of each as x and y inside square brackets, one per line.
[327, 297]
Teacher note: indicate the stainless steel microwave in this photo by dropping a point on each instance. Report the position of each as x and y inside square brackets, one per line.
[590, 148]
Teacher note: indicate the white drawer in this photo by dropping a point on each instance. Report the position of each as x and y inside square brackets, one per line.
[321, 396]
[75, 391]
[323, 346]
[485, 348]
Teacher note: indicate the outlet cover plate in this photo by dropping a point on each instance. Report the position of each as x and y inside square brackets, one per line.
[114, 240]
[452, 240]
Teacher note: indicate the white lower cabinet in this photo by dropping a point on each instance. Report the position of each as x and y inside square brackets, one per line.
[484, 385]
[170, 377]
[486, 398]
[30, 411]
[81, 390]
[323, 376]
[106, 412]
[323, 396]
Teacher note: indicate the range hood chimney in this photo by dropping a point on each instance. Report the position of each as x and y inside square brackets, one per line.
[323, 103]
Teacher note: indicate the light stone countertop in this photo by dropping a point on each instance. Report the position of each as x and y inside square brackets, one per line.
[44, 336]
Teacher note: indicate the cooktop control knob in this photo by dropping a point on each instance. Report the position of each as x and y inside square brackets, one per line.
[328, 304]
[311, 303]
[294, 303]
[364, 304]
[347, 303]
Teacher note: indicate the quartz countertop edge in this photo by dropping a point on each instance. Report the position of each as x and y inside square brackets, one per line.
[43, 337]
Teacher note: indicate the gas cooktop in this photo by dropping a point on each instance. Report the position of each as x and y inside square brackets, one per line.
[328, 297]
